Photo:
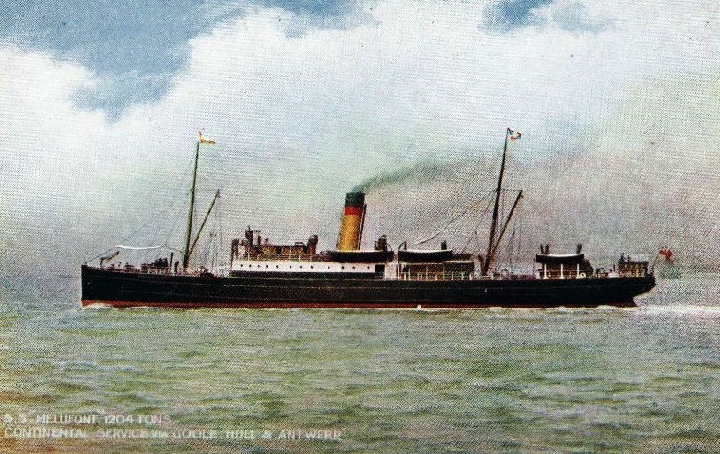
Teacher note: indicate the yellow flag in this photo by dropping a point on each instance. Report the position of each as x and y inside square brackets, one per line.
[203, 139]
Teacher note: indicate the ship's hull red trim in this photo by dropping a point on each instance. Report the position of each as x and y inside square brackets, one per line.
[277, 305]
[296, 305]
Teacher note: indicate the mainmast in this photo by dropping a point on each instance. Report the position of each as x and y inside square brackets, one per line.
[489, 256]
[186, 256]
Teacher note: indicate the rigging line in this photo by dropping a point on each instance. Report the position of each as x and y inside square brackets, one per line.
[509, 247]
[487, 208]
[146, 224]
[180, 189]
[131, 234]
[514, 244]
[470, 238]
[100, 255]
[436, 234]
[212, 241]
[477, 226]
[219, 241]
[518, 225]
[172, 248]
[475, 233]
[174, 227]
[181, 182]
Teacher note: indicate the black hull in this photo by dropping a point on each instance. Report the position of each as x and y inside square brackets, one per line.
[120, 289]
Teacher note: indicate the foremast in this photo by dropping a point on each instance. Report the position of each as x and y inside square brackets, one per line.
[188, 249]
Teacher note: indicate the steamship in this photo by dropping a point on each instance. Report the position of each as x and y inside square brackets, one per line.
[262, 274]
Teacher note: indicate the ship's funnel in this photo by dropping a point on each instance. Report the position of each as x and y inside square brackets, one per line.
[352, 222]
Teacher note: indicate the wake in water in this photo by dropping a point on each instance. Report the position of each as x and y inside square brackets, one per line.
[683, 310]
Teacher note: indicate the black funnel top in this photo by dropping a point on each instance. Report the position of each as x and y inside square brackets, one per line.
[355, 199]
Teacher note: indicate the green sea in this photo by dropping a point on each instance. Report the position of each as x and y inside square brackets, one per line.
[645, 379]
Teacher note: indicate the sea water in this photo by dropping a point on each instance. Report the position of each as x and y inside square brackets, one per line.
[645, 379]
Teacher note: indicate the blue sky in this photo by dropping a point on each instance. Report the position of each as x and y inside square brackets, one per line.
[511, 14]
[135, 47]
